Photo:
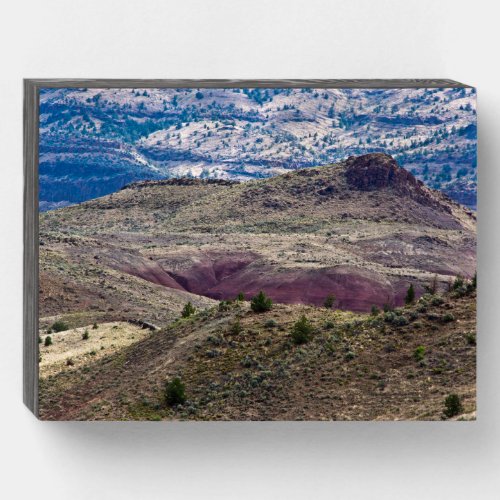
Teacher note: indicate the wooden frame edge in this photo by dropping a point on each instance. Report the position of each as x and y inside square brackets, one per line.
[30, 238]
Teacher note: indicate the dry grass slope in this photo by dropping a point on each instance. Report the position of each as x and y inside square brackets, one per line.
[240, 365]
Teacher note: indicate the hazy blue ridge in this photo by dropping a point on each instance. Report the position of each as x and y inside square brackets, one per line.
[95, 141]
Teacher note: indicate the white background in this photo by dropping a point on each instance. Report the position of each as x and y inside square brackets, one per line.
[248, 39]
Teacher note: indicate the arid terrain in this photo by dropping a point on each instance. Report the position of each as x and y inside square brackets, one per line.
[94, 141]
[362, 231]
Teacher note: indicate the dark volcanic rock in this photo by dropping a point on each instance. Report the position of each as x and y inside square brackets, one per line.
[378, 170]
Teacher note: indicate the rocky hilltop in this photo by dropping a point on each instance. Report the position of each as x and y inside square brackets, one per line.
[95, 141]
[363, 230]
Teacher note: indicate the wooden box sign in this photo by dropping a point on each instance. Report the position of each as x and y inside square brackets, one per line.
[250, 250]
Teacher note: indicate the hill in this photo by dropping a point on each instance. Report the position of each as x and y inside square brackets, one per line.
[94, 141]
[117, 272]
[239, 365]
[363, 230]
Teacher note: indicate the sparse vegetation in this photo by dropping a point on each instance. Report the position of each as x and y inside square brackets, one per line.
[59, 326]
[448, 317]
[471, 338]
[188, 310]
[236, 327]
[419, 353]
[261, 303]
[224, 305]
[85, 335]
[270, 323]
[287, 236]
[48, 341]
[452, 406]
[410, 295]
[302, 331]
[329, 301]
[175, 392]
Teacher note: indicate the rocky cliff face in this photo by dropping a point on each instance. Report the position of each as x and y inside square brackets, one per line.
[95, 141]
[376, 171]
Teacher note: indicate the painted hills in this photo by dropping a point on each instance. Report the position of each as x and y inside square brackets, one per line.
[116, 272]
[362, 230]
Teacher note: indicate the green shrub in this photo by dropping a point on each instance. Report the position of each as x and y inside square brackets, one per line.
[452, 405]
[175, 392]
[224, 305]
[329, 325]
[395, 318]
[270, 323]
[329, 301]
[48, 341]
[59, 326]
[447, 318]
[419, 353]
[248, 361]
[188, 310]
[401, 321]
[410, 295]
[422, 308]
[437, 300]
[40, 339]
[413, 315]
[302, 331]
[94, 326]
[458, 283]
[261, 303]
[240, 297]
[349, 356]
[236, 328]
[471, 338]
[375, 310]
[85, 335]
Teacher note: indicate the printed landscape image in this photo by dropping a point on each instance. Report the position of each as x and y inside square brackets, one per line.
[257, 254]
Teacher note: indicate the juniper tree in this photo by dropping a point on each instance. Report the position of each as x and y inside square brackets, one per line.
[302, 331]
[261, 303]
[329, 301]
[188, 310]
[175, 392]
[453, 406]
[410, 295]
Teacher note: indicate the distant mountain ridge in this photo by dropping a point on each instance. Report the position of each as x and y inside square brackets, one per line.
[95, 141]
